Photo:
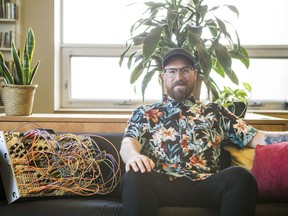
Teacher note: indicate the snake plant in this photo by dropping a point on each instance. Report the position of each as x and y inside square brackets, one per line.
[22, 73]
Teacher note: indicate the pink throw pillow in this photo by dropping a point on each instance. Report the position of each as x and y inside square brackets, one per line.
[270, 168]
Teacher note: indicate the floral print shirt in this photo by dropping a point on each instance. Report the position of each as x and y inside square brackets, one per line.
[183, 138]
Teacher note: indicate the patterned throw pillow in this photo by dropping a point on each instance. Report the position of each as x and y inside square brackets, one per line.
[270, 168]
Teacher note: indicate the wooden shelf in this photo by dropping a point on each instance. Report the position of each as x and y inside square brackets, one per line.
[266, 123]
[273, 113]
[88, 123]
[12, 27]
[83, 123]
[3, 20]
[5, 49]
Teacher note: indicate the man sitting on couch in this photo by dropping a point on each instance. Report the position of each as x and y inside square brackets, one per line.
[171, 150]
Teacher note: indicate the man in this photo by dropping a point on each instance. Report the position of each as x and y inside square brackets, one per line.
[171, 150]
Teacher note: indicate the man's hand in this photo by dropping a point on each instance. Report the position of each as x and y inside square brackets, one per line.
[130, 153]
[140, 163]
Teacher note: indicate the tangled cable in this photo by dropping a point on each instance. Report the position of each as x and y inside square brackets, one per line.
[61, 164]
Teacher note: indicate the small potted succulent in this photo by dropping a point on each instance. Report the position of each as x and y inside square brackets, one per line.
[18, 89]
[235, 100]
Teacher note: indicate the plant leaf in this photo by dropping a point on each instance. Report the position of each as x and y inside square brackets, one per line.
[204, 59]
[151, 42]
[233, 8]
[29, 44]
[138, 70]
[16, 78]
[5, 71]
[26, 69]
[171, 17]
[218, 69]
[194, 34]
[147, 78]
[232, 76]
[247, 86]
[153, 5]
[221, 25]
[225, 61]
[201, 10]
[130, 59]
[123, 54]
[33, 72]
[242, 55]
[18, 72]
[212, 86]
[223, 56]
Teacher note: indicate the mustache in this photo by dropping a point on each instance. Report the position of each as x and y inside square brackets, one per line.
[179, 83]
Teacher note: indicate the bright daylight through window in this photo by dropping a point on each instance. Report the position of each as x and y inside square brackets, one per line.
[93, 40]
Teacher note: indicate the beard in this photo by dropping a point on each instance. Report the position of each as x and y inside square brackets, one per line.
[180, 91]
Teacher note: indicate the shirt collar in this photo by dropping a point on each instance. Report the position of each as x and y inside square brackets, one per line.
[172, 103]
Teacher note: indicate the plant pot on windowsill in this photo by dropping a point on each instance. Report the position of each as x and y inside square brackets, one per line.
[17, 89]
[18, 99]
[238, 108]
[236, 101]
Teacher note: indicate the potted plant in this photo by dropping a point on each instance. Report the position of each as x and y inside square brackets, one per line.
[235, 100]
[183, 25]
[18, 90]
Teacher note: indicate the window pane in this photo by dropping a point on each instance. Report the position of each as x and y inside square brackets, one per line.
[268, 78]
[98, 22]
[108, 22]
[101, 78]
[259, 23]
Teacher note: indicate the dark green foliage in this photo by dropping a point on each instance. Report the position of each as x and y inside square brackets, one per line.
[183, 26]
[23, 73]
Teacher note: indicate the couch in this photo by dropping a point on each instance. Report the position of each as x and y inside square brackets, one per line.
[110, 204]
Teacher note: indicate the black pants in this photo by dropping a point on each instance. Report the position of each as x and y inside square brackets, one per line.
[232, 190]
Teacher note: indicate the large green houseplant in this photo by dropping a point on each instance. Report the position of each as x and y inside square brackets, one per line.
[18, 89]
[194, 27]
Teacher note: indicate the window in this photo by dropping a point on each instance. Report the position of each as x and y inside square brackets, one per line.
[92, 43]
[93, 35]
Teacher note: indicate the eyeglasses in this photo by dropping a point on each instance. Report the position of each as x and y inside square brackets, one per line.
[171, 72]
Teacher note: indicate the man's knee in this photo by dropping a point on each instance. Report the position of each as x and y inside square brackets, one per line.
[238, 172]
[242, 177]
[133, 176]
[135, 181]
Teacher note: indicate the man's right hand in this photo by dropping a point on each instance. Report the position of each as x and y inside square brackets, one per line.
[140, 163]
[130, 153]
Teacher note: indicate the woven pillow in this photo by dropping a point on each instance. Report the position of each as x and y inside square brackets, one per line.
[270, 168]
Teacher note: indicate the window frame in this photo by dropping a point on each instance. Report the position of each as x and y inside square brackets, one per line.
[65, 103]
[79, 50]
